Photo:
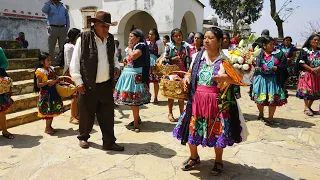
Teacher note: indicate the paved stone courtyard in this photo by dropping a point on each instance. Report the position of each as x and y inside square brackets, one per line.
[288, 150]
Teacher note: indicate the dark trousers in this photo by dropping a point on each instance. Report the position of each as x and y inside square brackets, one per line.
[100, 103]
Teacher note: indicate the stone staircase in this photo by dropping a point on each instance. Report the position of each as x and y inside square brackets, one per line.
[22, 63]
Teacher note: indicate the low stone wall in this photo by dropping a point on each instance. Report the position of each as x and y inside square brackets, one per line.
[35, 31]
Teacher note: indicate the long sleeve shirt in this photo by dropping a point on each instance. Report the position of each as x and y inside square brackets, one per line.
[56, 15]
[103, 73]
[3, 60]
[68, 51]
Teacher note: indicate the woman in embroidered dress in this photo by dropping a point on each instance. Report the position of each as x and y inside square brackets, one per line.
[177, 52]
[308, 64]
[132, 87]
[270, 76]
[49, 104]
[197, 44]
[73, 35]
[207, 121]
[5, 99]
[156, 49]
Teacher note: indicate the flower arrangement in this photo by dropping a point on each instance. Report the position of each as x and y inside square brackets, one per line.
[243, 59]
[5, 84]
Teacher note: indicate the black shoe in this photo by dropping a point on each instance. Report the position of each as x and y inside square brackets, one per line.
[113, 147]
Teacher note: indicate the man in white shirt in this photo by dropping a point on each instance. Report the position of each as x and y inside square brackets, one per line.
[93, 67]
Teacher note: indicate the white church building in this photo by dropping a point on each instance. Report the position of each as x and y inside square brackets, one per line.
[164, 15]
[26, 16]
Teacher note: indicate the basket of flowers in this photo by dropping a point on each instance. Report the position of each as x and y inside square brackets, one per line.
[163, 67]
[172, 86]
[65, 87]
[5, 84]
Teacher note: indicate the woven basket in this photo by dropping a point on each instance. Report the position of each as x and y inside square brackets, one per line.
[173, 89]
[65, 88]
[161, 69]
[5, 84]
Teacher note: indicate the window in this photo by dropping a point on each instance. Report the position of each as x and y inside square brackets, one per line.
[88, 22]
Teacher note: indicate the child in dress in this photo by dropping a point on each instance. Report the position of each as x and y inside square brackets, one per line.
[49, 102]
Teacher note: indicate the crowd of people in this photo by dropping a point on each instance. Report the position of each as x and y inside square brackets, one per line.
[91, 59]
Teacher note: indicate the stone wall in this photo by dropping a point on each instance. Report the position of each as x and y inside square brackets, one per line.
[35, 31]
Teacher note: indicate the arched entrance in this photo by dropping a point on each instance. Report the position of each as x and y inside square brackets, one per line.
[134, 19]
[188, 24]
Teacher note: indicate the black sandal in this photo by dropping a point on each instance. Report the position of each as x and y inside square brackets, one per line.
[132, 123]
[187, 166]
[217, 169]
[260, 117]
[269, 122]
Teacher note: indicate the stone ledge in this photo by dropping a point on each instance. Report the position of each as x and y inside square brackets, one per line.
[22, 53]
[27, 116]
[10, 45]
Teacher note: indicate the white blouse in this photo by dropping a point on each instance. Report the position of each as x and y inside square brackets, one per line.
[68, 50]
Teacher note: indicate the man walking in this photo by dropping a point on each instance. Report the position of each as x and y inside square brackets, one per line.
[58, 24]
[93, 67]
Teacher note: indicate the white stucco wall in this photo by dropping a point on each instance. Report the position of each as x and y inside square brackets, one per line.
[29, 19]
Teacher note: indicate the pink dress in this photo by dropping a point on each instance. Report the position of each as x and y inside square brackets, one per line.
[308, 82]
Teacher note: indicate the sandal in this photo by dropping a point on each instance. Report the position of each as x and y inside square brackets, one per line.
[260, 117]
[269, 122]
[171, 118]
[132, 123]
[50, 131]
[155, 101]
[308, 112]
[190, 164]
[217, 169]
[135, 129]
[8, 135]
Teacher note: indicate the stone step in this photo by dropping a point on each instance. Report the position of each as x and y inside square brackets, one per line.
[25, 74]
[9, 45]
[22, 63]
[22, 87]
[23, 102]
[22, 53]
[27, 116]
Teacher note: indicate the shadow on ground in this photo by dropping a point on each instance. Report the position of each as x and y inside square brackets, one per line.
[22, 141]
[281, 122]
[149, 148]
[150, 126]
[236, 172]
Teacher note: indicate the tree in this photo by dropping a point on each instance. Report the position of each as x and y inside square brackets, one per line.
[235, 10]
[312, 27]
[275, 16]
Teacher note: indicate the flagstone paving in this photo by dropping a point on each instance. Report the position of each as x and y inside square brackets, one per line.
[288, 150]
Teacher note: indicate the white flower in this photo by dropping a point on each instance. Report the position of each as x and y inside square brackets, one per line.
[245, 67]
[234, 59]
[240, 60]
[236, 65]
[240, 66]
[257, 51]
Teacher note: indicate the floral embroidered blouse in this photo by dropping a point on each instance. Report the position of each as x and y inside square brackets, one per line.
[310, 57]
[45, 75]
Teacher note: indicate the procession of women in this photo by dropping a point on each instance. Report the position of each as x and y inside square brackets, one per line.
[206, 72]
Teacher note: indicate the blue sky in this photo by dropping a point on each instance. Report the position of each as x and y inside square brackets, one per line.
[295, 25]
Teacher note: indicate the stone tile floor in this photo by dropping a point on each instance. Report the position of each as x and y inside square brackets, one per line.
[288, 150]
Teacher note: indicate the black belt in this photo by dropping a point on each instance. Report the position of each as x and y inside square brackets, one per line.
[57, 25]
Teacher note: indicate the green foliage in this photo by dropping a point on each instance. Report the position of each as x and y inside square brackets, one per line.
[230, 10]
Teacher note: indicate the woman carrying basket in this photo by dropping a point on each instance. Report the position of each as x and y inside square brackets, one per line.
[209, 120]
[177, 52]
[49, 104]
[5, 98]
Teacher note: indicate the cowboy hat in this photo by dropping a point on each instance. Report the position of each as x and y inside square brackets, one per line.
[103, 17]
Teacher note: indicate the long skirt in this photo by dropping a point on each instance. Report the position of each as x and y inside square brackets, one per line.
[49, 103]
[130, 90]
[308, 86]
[207, 126]
[5, 101]
[266, 92]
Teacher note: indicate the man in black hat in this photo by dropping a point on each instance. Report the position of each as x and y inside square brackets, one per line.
[93, 67]
[265, 33]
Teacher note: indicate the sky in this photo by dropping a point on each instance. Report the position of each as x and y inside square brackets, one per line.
[308, 10]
